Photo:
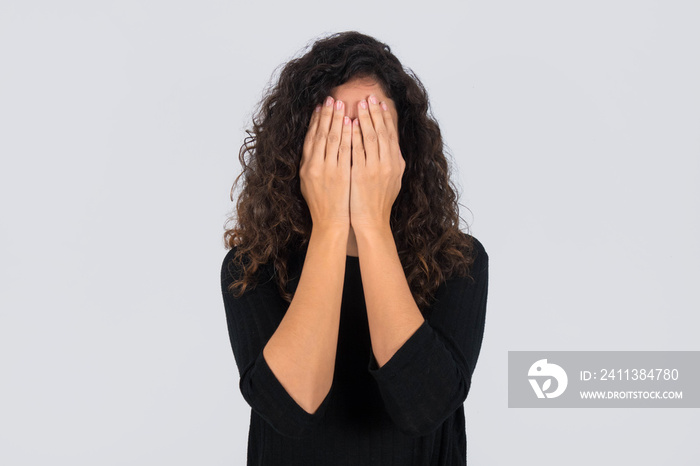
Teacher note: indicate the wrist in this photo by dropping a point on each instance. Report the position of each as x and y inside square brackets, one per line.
[337, 231]
[372, 233]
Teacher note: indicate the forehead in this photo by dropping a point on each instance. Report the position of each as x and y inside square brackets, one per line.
[360, 88]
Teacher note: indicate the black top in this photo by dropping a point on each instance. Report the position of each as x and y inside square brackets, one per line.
[409, 412]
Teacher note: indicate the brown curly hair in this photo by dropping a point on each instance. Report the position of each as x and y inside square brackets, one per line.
[273, 218]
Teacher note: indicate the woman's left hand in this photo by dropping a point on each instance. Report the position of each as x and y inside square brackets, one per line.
[377, 166]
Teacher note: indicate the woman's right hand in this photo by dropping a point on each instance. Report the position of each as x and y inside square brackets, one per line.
[324, 170]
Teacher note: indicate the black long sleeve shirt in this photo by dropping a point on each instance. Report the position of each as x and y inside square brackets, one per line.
[409, 412]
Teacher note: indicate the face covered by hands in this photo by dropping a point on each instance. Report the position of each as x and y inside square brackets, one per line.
[352, 166]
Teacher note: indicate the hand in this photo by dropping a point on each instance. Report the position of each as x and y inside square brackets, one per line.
[377, 166]
[324, 170]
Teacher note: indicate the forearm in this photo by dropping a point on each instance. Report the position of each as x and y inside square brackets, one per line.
[301, 353]
[392, 313]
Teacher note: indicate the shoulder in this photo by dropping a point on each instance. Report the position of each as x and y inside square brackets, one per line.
[481, 257]
[479, 249]
[230, 271]
[234, 264]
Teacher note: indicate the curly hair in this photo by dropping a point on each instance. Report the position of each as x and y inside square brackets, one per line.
[273, 218]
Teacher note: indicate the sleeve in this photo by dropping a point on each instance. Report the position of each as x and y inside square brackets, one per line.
[429, 377]
[252, 318]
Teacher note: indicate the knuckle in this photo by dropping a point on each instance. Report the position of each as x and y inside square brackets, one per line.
[313, 173]
[333, 138]
[336, 174]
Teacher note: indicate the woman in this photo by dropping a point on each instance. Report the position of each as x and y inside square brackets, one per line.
[355, 305]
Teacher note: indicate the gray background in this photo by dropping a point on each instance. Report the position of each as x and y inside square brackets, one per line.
[574, 127]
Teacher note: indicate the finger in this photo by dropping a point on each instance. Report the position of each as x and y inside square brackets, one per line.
[310, 133]
[333, 140]
[321, 135]
[369, 137]
[358, 149]
[375, 111]
[344, 154]
[389, 122]
[391, 132]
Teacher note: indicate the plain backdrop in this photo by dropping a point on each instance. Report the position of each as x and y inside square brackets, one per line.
[574, 131]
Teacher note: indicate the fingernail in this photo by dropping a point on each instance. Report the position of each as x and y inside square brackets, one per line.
[373, 99]
[318, 108]
[346, 120]
[339, 104]
[384, 106]
[329, 101]
[363, 104]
